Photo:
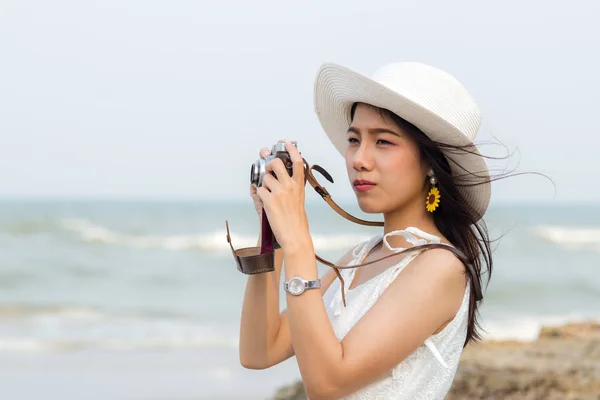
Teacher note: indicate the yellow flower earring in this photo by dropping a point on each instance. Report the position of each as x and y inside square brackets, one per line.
[433, 197]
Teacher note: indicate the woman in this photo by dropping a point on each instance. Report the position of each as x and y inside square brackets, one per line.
[407, 137]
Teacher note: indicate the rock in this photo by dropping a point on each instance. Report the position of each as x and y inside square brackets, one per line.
[291, 392]
[563, 363]
[584, 330]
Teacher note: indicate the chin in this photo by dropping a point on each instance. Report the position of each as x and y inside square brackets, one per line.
[369, 206]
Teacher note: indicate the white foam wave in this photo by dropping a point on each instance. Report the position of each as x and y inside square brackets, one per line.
[64, 312]
[66, 329]
[215, 241]
[177, 337]
[34, 328]
[572, 238]
[11, 344]
[94, 233]
[337, 242]
[16, 344]
[526, 328]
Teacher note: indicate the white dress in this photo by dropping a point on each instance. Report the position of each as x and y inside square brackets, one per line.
[428, 372]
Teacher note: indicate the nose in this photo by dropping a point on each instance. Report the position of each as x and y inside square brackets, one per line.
[362, 159]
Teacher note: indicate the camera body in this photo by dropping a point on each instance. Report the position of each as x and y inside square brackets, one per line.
[258, 169]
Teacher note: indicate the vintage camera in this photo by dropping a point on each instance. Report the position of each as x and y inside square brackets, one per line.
[258, 169]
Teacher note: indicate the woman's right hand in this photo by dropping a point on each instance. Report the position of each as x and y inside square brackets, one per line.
[258, 204]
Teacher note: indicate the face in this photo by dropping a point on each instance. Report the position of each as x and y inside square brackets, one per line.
[383, 154]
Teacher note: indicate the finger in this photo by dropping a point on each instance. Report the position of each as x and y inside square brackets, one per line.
[276, 166]
[264, 152]
[297, 162]
[263, 195]
[270, 182]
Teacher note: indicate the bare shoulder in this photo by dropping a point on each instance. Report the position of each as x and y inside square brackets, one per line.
[441, 260]
[434, 280]
[438, 268]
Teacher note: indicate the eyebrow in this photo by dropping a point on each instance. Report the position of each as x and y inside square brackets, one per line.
[374, 131]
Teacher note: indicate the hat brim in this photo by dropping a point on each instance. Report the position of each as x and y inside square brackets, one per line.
[337, 88]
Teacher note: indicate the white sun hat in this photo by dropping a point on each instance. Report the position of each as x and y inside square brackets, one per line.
[431, 99]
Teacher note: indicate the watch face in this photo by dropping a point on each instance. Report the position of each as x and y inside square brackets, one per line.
[296, 286]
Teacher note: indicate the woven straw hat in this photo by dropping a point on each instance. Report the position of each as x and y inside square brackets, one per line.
[431, 99]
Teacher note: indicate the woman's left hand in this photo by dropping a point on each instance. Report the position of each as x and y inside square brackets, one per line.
[283, 200]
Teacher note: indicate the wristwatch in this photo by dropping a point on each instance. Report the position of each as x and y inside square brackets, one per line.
[296, 285]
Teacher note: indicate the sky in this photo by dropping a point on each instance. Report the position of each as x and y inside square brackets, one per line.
[174, 99]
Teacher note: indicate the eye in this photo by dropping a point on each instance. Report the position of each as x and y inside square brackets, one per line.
[384, 142]
[352, 140]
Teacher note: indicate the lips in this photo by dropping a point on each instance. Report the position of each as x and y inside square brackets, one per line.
[362, 182]
[362, 185]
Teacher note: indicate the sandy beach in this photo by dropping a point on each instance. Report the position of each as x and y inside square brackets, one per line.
[173, 375]
[563, 363]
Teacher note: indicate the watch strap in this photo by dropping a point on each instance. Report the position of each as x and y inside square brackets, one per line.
[312, 284]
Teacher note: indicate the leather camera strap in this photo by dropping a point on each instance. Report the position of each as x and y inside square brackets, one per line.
[256, 260]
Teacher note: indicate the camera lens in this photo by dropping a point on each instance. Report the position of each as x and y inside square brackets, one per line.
[257, 172]
[254, 174]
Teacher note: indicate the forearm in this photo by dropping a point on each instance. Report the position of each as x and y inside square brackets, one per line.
[318, 351]
[260, 317]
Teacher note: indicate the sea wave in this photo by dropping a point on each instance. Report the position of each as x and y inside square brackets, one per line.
[570, 237]
[29, 311]
[64, 313]
[14, 344]
[527, 328]
[64, 334]
[208, 242]
[28, 227]
[32, 328]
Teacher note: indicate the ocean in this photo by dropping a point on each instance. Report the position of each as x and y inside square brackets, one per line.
[141, 299]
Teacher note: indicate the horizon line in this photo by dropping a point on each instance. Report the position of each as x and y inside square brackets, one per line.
[188, 199]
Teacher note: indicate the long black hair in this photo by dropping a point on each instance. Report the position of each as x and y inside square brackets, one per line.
[455, 218]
